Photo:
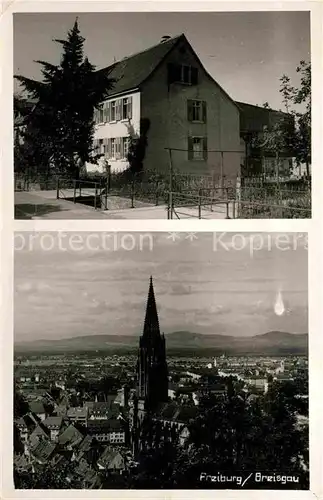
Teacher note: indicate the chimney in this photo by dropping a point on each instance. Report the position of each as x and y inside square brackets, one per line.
[165, 38]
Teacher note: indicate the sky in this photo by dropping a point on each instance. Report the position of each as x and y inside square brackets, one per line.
[204, 282]
[245, 52]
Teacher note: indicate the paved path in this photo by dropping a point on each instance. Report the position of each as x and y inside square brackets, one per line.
[44, 205]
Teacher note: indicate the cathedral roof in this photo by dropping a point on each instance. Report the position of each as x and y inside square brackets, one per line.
[151, 325]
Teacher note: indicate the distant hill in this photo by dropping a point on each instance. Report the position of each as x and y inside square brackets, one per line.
[270, 343]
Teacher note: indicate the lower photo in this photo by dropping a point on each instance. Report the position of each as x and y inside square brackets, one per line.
[162, 360]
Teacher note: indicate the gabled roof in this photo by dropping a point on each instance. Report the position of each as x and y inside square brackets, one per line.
[71, 436]
[37, 407]
[43, 450]
[111, 456]
[39, 431]
[253, 118]
[132, 71]
[77, 412]
[53, 422]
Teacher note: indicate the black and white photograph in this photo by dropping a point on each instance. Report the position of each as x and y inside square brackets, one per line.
[162, 115]
[163, 360]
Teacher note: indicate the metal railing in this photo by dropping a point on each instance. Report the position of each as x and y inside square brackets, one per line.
[190, 205]
[83, 191]
[232, 203]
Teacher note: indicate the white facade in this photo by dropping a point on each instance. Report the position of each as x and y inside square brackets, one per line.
[116, 121]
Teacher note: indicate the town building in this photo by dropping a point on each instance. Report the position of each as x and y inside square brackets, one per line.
[189, 120]
[166, 89]
[78, 415]
[259, 156]
[111, 430]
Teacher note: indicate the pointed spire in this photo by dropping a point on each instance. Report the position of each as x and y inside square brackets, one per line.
[151, 325]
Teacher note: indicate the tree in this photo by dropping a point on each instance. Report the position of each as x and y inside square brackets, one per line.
[138, 146]
[61, 125]
[292, 132]
[300, 96]
[238, 433]
[21, 406]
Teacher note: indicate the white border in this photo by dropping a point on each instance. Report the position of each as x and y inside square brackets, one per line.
[8, 225]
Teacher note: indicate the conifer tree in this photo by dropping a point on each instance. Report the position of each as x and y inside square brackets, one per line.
[61, 124]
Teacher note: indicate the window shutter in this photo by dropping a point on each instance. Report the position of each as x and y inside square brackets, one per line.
[190, 148]
[204, 111]
[130, 108]
[121, 147]
[109, 148]
[108, 109]
[190, 110]
[205, 148]
[170, 73]
[118, 109]
[194, 76]
[118, 148]
[105, 112]
[105, 146]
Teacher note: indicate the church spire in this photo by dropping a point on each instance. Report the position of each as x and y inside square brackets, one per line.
[151, 325]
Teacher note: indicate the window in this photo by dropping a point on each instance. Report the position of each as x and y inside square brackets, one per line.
[113, 148]
[125, 146]
[182, 73]
[197, 148]
[113, 111]
[127, 108]
[101, 150]
[118, 104]
[106, 112]
[118, 148]
[196, 111]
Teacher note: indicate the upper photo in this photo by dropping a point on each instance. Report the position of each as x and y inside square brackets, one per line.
[162, 115]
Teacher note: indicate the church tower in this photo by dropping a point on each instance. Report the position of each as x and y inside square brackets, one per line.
[152, 372]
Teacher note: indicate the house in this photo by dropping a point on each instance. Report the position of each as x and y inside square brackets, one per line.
[26, 425]
[259, 383]
[98, 410]
[78, 414]
[38, 409]
[40, 433]
[54, 425]
[166, 90]
[22, 109]
[70, 437]
[43, 452]
[112, 430]
[254, 120]
[87, 449]
[174, 415]
[112, 460]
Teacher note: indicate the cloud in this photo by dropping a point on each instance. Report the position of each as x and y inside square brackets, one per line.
[24, 287]
[180, 289]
